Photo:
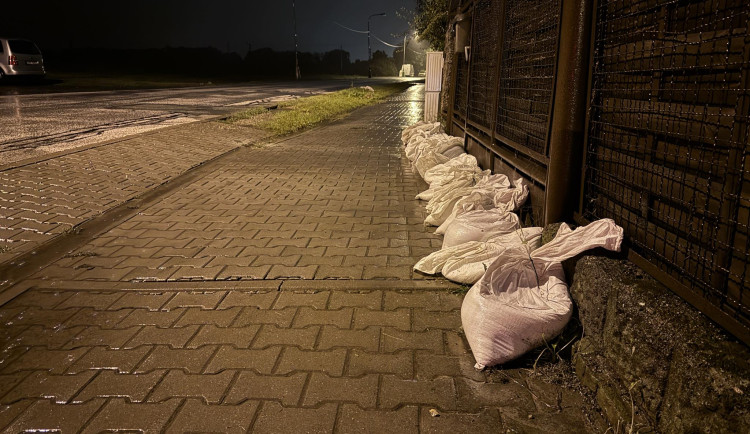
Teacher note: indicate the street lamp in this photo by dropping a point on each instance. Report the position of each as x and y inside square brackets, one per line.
[369, 50]
[406, 35]
[296, 57]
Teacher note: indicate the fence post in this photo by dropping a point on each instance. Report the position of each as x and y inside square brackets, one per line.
[569, 113]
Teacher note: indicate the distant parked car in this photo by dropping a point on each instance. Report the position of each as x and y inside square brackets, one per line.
[20, 57]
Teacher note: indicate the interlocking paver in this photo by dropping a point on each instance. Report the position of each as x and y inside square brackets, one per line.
[353, 419]
[293, 359]
[198, 416]
[240, 337]
[274, 418]
[322, 388]
[60, 388]
[306, 316]
[209, 387]
[400, 318]
[363, 362]
[191, 361]
[440, 392]
[230, 358]
[119, 360]
[119, 415]
[110, 384]
[38, 358]
[250, 385]
[47, 416]
[333, 337]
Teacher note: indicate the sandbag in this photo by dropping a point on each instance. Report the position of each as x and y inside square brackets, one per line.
[441, 206]
[439, 143]
[467, 262]
[480, 225]
[504, 199]
[447, 185]
[427, 160]
[421, 128]
[462, 163]
[522, 299]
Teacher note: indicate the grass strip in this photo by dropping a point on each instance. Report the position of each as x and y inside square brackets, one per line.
[296, 115]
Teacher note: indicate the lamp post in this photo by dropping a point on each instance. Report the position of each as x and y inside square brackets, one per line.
[369, 50]
[296, 57]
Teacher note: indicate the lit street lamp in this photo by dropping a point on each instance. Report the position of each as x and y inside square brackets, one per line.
[369, 50]
[406, 35]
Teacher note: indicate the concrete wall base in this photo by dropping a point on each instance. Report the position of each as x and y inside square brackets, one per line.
[653, 361]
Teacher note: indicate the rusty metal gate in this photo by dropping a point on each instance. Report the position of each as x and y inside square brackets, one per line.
[667, 148]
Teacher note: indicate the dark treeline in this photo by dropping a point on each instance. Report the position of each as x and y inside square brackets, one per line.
[210, 62]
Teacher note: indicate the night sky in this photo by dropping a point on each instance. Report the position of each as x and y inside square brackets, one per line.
[229, 25]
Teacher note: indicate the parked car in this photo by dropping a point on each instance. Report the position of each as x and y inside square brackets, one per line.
[20, 57]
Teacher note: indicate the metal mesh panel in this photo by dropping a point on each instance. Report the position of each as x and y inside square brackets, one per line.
[668, 140]
[527, 72]
[462, 78]
[484, 45]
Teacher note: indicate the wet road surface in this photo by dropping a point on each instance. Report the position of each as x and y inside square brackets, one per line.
[31, 125]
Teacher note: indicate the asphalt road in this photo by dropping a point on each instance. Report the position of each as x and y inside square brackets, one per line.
[37, 124]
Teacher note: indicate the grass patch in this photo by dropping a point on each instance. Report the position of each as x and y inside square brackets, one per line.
[293, 116]
[246, 114]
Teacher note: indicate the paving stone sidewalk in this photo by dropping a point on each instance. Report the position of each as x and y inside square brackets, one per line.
[264, 297]
[42, 199]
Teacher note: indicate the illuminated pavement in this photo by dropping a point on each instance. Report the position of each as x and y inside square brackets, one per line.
[270, 292]
[37, 124]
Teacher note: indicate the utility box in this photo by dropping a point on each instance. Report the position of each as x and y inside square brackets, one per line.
[433, 85]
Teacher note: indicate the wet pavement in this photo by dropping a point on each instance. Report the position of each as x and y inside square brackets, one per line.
[273, 292]
[41, 123]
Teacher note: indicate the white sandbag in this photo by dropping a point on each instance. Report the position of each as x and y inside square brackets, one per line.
[421, 128]
[462, 163]
[427, 160]
[475, 201]
[438, 143]
[505, 199]
[447, 185]
[522, 299]
[480, 225]
[453, 152]
[470, 268]
[467, 262]
[511, 199]
[440, 207]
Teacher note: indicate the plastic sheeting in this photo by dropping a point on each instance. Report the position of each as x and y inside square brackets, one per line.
[522, 299]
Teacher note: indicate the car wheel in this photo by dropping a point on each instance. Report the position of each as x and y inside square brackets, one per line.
[2, 75]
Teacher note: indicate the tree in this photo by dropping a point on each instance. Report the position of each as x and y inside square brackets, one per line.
[431, 21]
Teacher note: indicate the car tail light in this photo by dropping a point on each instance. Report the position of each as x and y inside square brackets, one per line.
[13, 60]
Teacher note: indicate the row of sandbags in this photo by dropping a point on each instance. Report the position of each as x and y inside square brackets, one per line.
[519, 298]
[472, 208]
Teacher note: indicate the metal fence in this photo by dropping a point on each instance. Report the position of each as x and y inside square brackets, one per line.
[668, 141]
[527, 71]
[483, 72]
[666, 133]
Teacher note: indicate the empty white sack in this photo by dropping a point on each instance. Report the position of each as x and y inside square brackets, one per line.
[467, 262]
